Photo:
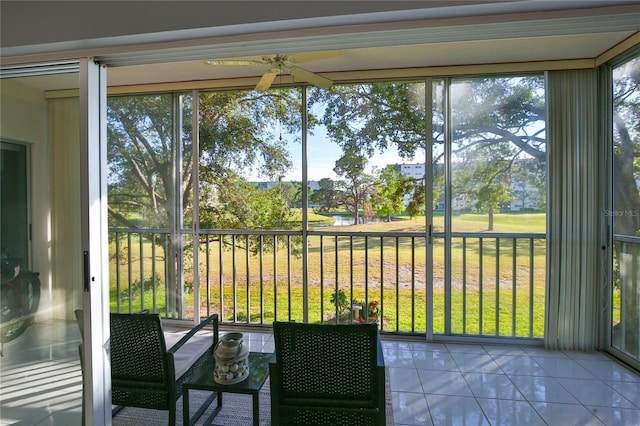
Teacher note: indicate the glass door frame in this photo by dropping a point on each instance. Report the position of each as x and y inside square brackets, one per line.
[92, 86]
[609, 216]
[93, 168]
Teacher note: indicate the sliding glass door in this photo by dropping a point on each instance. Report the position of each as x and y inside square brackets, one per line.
[625, 214]
[46, 242]
[494, 207]
[424, 200]
[51, 221]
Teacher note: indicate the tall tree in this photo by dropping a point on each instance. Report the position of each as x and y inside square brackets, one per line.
[365, 118]
[355, 184]
[626, 139]
[389, 191]
[235, 135]
[498, 123]
[149, 187]
[241, 205]
[482, 179]
[325, 198]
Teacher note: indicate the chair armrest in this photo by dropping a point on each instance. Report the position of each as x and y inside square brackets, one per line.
[212, 319]
[381, 394]
[380, 354]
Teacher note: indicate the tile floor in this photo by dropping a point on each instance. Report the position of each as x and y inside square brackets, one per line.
[40, 377]
[461, 384]
[431, 383]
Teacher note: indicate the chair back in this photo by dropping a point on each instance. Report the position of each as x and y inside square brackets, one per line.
[138, 348]
[332, 362]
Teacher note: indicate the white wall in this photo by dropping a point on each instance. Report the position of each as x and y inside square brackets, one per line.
[66, 236]
[23, 119]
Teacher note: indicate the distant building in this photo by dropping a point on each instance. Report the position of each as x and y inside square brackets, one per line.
[526, 197]
[411, 170]
[312, 184]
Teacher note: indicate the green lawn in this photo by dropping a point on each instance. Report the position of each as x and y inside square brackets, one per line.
[356, 270]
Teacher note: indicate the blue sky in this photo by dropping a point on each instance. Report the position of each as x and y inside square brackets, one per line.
[322, 154]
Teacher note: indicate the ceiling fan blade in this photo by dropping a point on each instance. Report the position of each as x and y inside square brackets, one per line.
[311, 77]
[266, 80]
[298, 58]
[234, 62]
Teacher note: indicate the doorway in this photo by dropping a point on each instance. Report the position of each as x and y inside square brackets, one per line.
[15, 218]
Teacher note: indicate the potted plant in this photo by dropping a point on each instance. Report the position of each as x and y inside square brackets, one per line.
[373, 310]
[341, 302]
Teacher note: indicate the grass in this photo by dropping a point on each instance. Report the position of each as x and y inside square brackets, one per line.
[412, 311]
[344, 262]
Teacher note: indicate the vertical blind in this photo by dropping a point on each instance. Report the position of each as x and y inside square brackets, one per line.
[573, 224]
[66, 265]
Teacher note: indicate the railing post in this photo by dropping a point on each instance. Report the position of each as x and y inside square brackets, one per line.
[464, 285]
[381, 283]
[221, 274]
[140, 242]
[289, 275]
[480, 285]
[514, 268]
[129, 272]
[275, 277]
[322, 279]
[336, 283]
[248, 280]
[118, 307]
[398, 283]
[497, 308]
[153, 272]
[351, 276]
[261, 279]
[234, 277]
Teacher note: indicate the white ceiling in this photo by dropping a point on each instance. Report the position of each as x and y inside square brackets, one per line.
[479, 38]
[476, 32]
[393, 57]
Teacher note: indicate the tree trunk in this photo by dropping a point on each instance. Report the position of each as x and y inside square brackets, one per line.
[490, 219]
[355, 210]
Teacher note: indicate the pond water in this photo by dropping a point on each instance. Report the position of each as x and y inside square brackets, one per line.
[348, 220]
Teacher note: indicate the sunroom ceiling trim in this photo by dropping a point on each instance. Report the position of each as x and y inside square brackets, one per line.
[351, 37]
[49, 68]
[620, 48]
[352, 76]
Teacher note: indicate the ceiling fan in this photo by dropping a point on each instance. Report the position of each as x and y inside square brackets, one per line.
[281, 64]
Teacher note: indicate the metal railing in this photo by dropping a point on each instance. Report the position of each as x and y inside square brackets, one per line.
[494, 287]
[626, 295]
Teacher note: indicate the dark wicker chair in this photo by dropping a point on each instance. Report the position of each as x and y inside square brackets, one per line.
[327, 375]
[144, 373]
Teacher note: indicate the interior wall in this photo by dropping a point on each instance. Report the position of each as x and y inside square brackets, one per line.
[66, 238]
[24, 120]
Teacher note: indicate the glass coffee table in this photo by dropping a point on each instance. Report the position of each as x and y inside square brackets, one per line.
[202, 379]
